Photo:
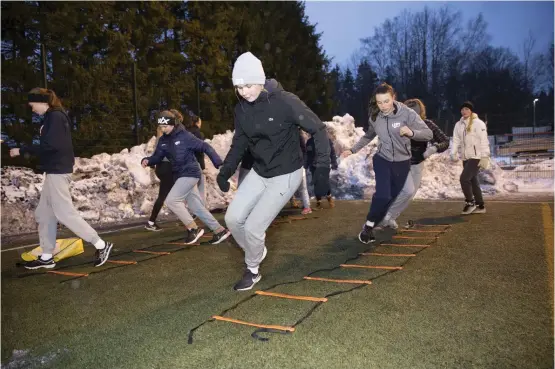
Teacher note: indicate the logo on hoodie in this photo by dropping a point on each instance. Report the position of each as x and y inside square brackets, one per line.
[177, 143]
[396, 125]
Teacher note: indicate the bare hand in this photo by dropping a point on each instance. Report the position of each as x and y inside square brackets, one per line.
[406, 131]
[144, 163]
[14, 152]
[346, 153]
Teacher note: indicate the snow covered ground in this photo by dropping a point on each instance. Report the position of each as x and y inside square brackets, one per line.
[109, 188]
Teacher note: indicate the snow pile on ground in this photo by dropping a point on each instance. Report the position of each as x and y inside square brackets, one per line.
[109, 188]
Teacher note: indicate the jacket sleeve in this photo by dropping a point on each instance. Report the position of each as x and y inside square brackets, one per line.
[239, 145]
[30, 149]
[366, 139]
[440, 140]
[484, 142]
[157, 156]
[333, 157]
[200, 146]
[309, 122]
[456, 140]
[199, 155]
[420, 130]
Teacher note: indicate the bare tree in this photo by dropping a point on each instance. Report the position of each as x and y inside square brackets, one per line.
[527, 48]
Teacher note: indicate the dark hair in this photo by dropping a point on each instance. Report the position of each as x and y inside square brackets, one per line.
[373, 109]
[49, 97]
[192, 122]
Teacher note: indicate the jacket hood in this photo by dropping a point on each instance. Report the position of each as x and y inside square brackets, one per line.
[271, 88]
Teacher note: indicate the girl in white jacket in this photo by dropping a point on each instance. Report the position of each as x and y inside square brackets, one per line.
[470, 139]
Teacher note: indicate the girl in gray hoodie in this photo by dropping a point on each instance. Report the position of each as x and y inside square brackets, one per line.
[396, 125]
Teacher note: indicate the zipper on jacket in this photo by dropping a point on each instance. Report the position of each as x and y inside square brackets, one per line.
[391, 139]
[464, 142]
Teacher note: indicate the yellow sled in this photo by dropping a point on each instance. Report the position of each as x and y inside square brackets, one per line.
[65, 248]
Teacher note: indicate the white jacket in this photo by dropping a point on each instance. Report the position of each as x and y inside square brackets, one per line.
[473, 144]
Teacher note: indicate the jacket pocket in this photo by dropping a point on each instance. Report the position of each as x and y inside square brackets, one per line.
[407, 150]
[475, 152]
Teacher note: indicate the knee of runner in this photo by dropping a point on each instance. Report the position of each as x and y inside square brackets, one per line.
[231, 220]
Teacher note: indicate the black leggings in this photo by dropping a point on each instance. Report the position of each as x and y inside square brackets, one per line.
[164, 173]
[469, 181]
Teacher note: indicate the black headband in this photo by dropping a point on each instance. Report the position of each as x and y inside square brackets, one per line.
[39, 98]
[166, 121]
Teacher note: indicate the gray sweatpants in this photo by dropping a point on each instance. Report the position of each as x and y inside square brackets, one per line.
[412, 184]
[185, 189]
[302, 191]
[55, 206]
[256, 204]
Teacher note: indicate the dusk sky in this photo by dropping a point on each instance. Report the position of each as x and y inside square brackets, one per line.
[343, 23]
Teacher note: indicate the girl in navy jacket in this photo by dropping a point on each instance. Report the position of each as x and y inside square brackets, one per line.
[180, 147]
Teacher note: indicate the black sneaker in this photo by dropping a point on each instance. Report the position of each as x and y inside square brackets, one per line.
[469, 207]
[220, 237]
[366, 235]
[480, 209]
[101, 256]
[248, 281]
[152, 227]
[39, 263]
[194, 235]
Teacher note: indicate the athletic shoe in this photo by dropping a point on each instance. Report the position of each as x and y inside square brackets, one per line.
[39, 263]
[152, 227]
[193, 235]
[480, 209]
[220, 237]
[366, 235]
[101, 256]
[469, 207]
[247, 281]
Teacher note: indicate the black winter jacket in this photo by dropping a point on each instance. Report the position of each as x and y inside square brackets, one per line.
[439, 140]
[199, 155]
[55, 150]
[269, 129]
[310, 155]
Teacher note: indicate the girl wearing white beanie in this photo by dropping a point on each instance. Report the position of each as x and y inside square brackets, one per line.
[267, 122]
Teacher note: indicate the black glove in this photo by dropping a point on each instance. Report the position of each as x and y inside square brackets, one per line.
[321, 181]
[222, 182]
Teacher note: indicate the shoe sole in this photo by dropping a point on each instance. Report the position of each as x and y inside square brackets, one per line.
[477, 211]
[109, 246]
[468, 212]
[254, 281]
[153, 230]
[224, 237]
[199, 235]
[366, 243]
[50, 266]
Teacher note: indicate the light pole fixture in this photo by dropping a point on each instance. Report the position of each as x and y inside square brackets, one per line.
[534, 129]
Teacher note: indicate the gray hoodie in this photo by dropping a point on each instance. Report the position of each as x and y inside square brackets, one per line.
[393, 146]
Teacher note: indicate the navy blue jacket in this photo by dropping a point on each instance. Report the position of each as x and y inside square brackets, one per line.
[55, 150]
[310, 155]
[180, 148]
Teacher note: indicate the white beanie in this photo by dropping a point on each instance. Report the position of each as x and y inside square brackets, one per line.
[248, 70]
